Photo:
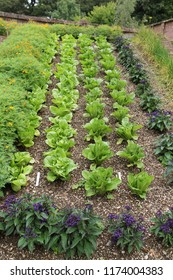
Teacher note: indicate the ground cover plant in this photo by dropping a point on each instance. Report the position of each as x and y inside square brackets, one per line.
[24, 76]
[83, 149]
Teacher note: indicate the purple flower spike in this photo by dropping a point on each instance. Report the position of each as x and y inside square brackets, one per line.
[72, 220]
[113, 216]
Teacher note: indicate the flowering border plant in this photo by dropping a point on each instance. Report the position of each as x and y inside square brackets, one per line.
[38, 221]
[160, 120]
[127, 232]
[163, 226]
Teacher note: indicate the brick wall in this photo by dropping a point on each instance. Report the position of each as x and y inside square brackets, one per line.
[165, 28]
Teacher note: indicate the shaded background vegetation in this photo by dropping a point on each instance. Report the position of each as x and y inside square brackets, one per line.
[124, 12]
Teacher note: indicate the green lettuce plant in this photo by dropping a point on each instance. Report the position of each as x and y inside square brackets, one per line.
[127, 130]
[97, 152]
[110, 74]
[116, 84]
[100, 181]
[120, 112]
[59, 164]
[90, 71]
[91, 83]
[133, 153]
[20, 167]
[108, 63]
[95, 110]
[93, 95]
[122, 97]
[96, 128]
[59, 131]
[139, 183]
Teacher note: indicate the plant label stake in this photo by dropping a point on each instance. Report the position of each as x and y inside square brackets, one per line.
[37, 179]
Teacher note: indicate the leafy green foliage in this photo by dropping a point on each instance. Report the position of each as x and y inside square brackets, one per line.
[127, 130]
[29, 217]
[97, 152]
[95, 110]
[91, 31]
[36, 221]
[91, 83]
[116, 84]
[122, 98]
[164, 148]
[59, 164]
[99, 181]
[121, 112]
[67, 10]
[60, 132]
[96, 128]
[76, 232]
[24, 75]
[93, 94]
[150, 12]
[160, 120]
[104, 14]
[168, 174]
[20, 166]
[91, 71]
[127, 231]
[133, 153]
[149, 102]
[110, 74]
[163, 227]
[108, 62]
[139, 183]
[124, 11]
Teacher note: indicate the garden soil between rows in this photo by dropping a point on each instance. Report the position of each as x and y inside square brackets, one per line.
[159, 196]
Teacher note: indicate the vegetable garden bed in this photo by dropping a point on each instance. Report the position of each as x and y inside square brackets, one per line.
[70, 184]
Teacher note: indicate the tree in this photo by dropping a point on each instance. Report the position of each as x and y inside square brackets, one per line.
[87, 6]
[104, 14]
[28, 7]
[153, 10]
[67, 10]
[124, 11]
[44, 7]
[14, 6]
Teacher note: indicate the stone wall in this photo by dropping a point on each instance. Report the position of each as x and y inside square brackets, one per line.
[23, 19]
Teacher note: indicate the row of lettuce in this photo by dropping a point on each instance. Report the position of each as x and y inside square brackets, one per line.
[99, 180]
[60, 134]
[159, 120]
[25, 69]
